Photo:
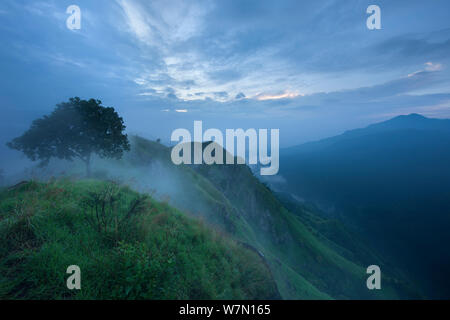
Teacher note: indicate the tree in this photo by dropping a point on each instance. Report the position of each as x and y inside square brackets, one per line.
[75, 129]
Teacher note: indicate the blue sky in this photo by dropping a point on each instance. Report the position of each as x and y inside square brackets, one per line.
[310, 68]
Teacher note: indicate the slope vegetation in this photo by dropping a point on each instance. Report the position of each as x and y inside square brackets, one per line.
[128, 246]
[305, 263]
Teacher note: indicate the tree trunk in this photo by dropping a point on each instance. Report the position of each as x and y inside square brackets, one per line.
[88, 165]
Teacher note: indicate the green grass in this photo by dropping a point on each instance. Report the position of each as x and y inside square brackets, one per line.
[136, 248]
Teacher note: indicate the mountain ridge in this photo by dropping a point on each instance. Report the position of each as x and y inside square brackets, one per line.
[389, 181]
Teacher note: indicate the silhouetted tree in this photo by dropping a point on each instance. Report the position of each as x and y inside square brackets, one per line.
[75, 129]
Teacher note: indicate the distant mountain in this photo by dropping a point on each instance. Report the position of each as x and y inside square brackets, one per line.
[391, 182]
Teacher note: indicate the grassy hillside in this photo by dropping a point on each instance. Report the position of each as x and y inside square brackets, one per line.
[305, 255]
[128, 246]
[317, 267]
[304, 261]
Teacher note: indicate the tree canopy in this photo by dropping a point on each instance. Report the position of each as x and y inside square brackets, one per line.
[75, 129]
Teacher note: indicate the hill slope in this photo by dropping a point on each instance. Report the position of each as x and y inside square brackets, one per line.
[307, 256]
[303, 260]
[137, 248]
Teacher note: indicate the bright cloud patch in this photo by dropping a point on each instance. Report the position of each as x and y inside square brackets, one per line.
[285, 95]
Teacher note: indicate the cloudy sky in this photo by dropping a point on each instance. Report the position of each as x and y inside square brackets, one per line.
[310, 68]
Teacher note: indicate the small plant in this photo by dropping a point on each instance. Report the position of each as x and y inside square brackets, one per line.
[107, 212]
